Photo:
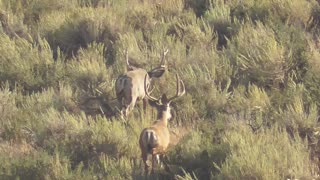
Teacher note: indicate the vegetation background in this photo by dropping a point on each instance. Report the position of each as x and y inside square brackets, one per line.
[251, 70]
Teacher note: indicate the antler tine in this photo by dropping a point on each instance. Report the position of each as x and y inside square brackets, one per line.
[129, 66]
[146, 90]
[179, 92]
[183, 88]
[164, 53]
[127, 58]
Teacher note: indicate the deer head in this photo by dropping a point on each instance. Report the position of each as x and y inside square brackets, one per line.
[162, 104]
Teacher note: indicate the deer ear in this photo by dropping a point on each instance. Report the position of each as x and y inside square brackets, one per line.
[157, 72]
[153, 103]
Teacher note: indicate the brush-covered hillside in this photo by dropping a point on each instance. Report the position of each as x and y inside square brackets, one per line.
[251, 70]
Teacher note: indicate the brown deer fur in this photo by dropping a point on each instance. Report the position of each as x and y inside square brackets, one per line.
[155, 139]
[129, 87]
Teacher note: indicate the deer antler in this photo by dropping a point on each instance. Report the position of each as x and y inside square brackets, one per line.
[129, 66]
[146, 90]
[164, 53]
[127, 57]
[179, 91]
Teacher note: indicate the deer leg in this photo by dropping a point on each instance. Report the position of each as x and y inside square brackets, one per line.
[144, 103]
[122, 105]
[156, 159]
[166, 167]
[145, 159]
[153, 163]
[131, 105]
[160, 159]
[123, 112]
[127, 105]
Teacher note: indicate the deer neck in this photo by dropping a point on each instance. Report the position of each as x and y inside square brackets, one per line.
[164, 116]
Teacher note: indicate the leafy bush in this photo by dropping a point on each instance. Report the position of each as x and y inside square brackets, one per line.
[311, 77]
[250, 70]
[88, 70]
[220, 20]
[260, 57]
[9, 127]
[198, 6]
[26, 66]
[264, 11]
[81, 28]
[298, 117]
[36, 165]
[268, 154]
[200, 152]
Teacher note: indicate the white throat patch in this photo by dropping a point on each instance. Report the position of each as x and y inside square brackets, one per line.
[168, 112]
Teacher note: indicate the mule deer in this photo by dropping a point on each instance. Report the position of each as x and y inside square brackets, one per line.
[155, 139]
[129, 87]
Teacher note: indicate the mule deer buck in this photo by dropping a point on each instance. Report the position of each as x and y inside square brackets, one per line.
[155, 139]
[129, 87]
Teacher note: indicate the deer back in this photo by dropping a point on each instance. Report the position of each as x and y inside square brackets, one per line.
[163, 134]
[155, 138]
[132, 83]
